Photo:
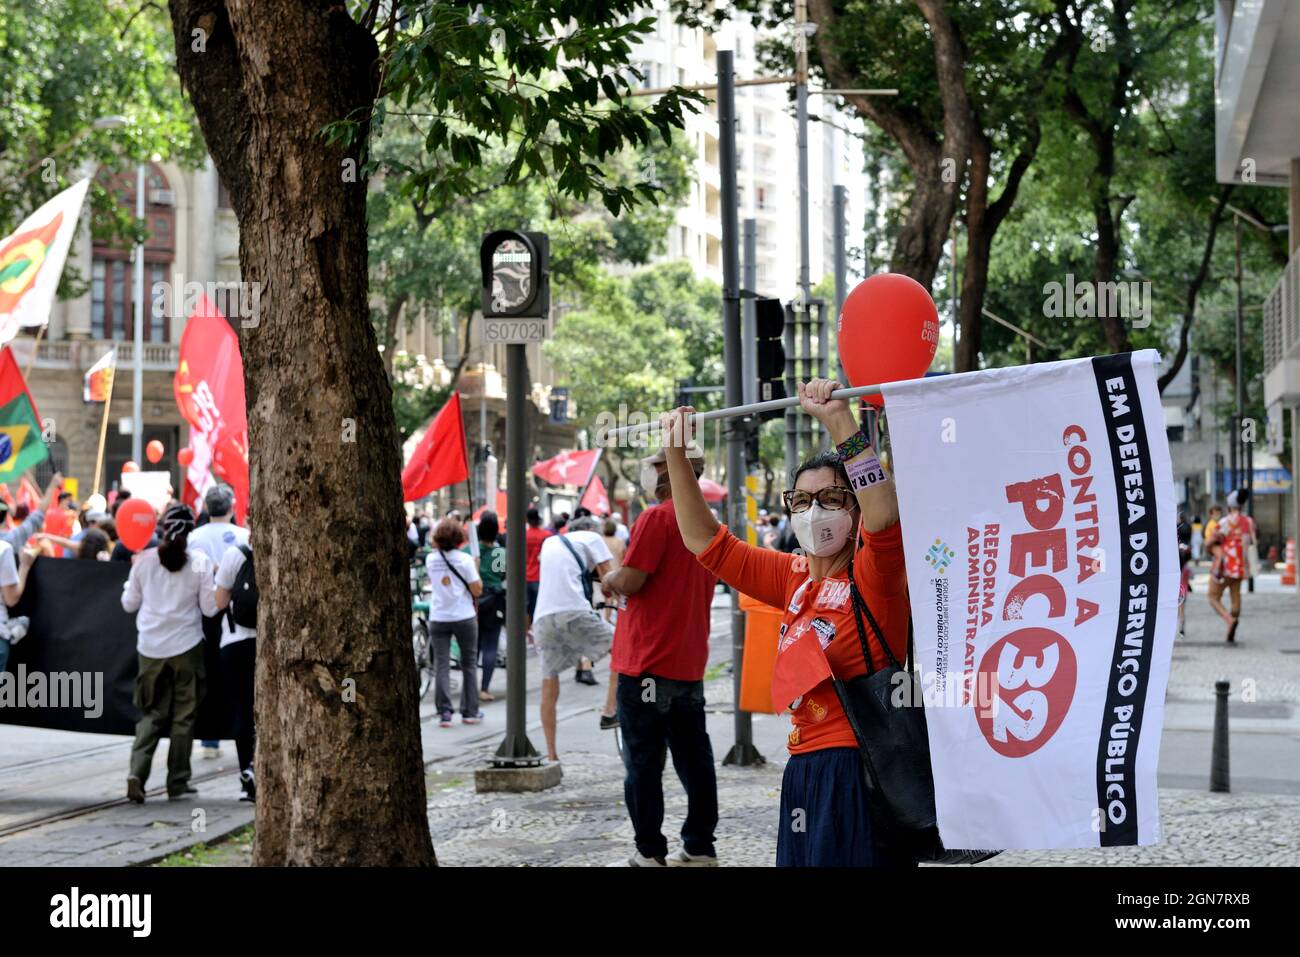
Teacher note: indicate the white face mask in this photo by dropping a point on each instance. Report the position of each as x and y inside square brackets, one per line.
[822, 532]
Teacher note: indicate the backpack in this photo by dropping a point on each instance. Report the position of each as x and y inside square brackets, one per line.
[243, 596]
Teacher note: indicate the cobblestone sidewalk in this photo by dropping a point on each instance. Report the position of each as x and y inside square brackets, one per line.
[583, 823]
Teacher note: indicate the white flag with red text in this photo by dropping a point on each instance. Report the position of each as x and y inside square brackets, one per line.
[1038, 515]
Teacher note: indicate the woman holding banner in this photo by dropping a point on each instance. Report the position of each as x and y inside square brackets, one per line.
[845, 513]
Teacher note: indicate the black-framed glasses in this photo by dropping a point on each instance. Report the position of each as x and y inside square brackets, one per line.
[832, 497]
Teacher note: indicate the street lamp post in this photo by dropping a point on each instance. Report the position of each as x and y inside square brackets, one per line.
[137, 351]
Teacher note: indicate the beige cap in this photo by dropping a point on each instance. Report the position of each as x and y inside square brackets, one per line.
[693, 451]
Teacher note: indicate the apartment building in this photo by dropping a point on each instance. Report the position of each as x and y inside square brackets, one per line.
[1257, 141]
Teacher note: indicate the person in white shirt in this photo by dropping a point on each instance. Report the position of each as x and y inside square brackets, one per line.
[238, 652]
[214, 539]
[455, 585]
[171, 589]
[566, 626]
[13, 579]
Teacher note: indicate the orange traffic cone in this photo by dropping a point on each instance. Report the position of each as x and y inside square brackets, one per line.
[1288, 574]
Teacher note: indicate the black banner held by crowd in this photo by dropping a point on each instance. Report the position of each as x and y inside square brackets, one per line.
[78, 626]
[1139, 581]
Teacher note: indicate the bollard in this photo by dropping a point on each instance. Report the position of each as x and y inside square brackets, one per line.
[1219, 751]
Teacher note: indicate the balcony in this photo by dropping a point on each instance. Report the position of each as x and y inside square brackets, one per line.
[1282, 337]
[83, 353]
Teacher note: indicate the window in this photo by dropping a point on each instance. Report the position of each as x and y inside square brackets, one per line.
[760, 194]
[112, 302]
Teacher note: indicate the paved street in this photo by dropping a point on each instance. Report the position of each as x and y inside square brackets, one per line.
[583, 822]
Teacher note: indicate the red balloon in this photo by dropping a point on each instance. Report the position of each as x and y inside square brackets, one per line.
[135, 523]
[154, 451]
[888, 331]
[130, 466]
[185, 456]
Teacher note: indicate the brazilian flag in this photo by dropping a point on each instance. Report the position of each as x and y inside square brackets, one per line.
[21, 443]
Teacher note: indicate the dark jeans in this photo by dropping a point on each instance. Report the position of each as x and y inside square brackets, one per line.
[491, 611]
[653, 713]
[465, 632]
[238, 669]
[530, 590]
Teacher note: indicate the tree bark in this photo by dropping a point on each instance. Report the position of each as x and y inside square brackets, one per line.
[1194, 289]
[938, 168]
[339, 768]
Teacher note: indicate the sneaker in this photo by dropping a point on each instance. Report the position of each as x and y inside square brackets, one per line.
[486, 696]
[583, 676]
[444, 719]
[182, 794]
[18, 629]
[472, 718]
[211, 754]
[608, 722]
[134, 790]
[640, 860]
[682, 859]
[248, 790]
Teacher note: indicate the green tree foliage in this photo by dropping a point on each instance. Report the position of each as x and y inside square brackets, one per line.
[66, 63]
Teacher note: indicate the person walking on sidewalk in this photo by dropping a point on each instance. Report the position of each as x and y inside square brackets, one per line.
[568, 627]
[455, 588]
[844, 511]
[492, 604]
[236, 582]
[172, 589]
[660, 660]
[1233, 538]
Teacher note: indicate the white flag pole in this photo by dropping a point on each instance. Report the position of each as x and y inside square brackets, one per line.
[621, 436]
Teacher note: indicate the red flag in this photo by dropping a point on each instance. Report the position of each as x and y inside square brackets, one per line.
[439, 459]
[568, 468]
[801, 665]
[209, 389]
[500, 509]
[595, 497]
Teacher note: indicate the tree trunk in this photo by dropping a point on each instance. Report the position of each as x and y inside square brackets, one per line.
[391, 319]
[1194, 289]
[339, 769]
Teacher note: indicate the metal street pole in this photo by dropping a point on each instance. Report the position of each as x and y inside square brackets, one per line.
[748, 310]
[802, 33]
[1237, 449]
[516, 750]
[137, 398]
[743, 751]
[839, 200]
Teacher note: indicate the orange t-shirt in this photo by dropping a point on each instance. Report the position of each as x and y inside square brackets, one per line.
[823, 609]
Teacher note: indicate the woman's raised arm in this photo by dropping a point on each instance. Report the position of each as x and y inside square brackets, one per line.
[694, 517]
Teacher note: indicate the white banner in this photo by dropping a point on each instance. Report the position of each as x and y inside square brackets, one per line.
[1038, 520]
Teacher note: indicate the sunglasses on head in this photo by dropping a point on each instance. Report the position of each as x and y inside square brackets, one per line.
[832, 497]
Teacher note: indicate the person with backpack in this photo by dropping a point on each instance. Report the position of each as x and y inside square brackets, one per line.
[567, 626]
[236, 595]
[216, 537]
[171, 588]
[453, 613]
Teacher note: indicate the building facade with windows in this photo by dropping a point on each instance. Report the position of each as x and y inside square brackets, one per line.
[1257, 141]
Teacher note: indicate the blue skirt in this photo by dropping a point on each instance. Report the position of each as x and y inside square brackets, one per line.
[825, 818]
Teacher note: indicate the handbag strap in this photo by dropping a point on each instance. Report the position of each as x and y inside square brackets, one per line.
[860, 606]
[452, 568]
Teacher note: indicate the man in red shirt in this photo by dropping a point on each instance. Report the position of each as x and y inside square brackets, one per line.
[534, 535]
[661, 648]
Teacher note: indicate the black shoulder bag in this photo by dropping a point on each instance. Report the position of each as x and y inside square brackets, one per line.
[886, 713]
